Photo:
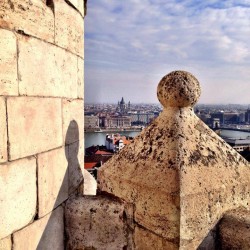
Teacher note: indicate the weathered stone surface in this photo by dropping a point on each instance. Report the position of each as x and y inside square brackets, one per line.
[44, 234]
[234, 230]
[178, 89]
[35, 125]
[69, 23]
[73, 121]
[46, 70]
[5, 244]
[8, 63]
[90, 184]
[179, 174]
[3, 131]
[80, 78]
[75, 157]
[96, 222]
[78, 4]
[52, 180]
[26, 16]
[17, 196]
[146, 240]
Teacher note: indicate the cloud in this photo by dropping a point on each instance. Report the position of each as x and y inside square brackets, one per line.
[146, 39]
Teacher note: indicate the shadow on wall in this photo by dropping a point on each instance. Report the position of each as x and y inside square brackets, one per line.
[72, 183]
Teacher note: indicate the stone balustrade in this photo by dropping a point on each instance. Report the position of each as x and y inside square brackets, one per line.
[178, 177]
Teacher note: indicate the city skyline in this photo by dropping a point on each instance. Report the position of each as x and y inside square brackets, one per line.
[130, 45]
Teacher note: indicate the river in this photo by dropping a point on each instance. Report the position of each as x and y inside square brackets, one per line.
[94, 138]
[234, 134]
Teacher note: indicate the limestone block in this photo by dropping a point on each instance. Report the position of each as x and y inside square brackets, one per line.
[180, 176]
[96, 222]
[5, 244]
[80, 78]
[52, 180]
[73, 121]
[3, 131]
[46, 70]
[75, 157]
[35, 125]
[8, 63]
[26, 16]
[78, 4]
[90, 184]
[234, 230]
[44, 234]
[69, 23]
[147, 240]
[18, 195]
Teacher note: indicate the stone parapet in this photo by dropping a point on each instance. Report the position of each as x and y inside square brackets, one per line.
[180, 175]
[97, 222]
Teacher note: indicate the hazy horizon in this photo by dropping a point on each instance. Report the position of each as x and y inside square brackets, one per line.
[130, 45]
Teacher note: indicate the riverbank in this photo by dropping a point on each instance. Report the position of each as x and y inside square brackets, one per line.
[115, 130]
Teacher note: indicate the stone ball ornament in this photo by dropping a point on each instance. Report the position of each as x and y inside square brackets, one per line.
[178, 89]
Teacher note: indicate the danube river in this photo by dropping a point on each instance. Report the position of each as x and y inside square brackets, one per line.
[234, 134]
[98, 138]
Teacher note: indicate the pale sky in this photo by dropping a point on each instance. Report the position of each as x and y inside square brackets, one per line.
[130, 45]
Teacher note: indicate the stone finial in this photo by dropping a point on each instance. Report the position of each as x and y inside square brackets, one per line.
[178, 89]
[180, 176]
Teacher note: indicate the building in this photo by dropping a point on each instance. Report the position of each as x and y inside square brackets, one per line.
[115, 142]
[215, 123]
[218, 115]
[142, 118]
[91, 121]
[122, 107]
[239, 145]
[115, 121]
[247, 116]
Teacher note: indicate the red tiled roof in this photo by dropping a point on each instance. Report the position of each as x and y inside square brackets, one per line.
[102, 152]
[89, 165]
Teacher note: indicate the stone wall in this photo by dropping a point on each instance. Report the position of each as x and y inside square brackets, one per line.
[41, 119]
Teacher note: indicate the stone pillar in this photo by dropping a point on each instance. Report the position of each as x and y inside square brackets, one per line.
[179, 175]
[41, 118]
